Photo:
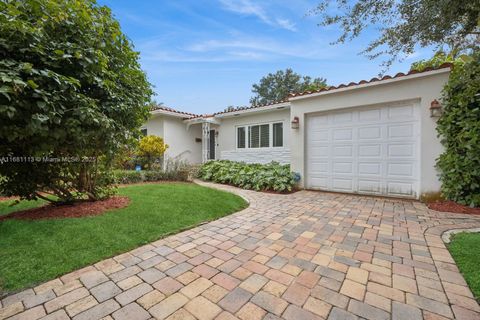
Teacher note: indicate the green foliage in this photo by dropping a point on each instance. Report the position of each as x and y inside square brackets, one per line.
[438, 59]
[272, 176]
[276, 87]
[464, 248]
[132, 176]
[151, 148]
[70, 86]
[406, 24]
[459, 130]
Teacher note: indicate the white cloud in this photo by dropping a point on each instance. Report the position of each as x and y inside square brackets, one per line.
[247, 7]
[286, 24]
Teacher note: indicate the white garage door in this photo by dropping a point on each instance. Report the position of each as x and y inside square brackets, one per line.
[370, 150]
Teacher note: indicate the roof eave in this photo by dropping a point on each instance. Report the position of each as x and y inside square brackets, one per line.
[272, 107]
[371, 84]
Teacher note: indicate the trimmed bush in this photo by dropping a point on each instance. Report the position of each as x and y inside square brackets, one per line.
[259, 177]
[459, 129]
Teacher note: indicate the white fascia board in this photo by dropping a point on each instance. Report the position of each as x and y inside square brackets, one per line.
[278, 106]
[372, 84]
[170, 113]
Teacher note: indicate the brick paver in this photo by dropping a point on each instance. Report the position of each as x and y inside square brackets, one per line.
[308, 255]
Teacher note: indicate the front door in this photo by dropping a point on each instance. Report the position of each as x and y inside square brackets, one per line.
[211, 145]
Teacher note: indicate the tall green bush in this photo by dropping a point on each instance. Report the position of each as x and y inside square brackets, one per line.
[72, 93]
[459, 130]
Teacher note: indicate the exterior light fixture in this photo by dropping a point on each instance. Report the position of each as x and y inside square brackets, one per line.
[295, 123]
[436, 109]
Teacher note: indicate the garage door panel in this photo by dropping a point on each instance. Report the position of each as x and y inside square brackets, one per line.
[400, 170]
[369, 133]
[319, 136]
[342, 118]
[343, 151]
[319, 151]
[345, 184]
[404, 150]
[319, 182]
[370, 168]
[400, 188]
[371, 150]
[321, 167]
[342, 134]
[369, 186]
[343, 167]
[400, 131]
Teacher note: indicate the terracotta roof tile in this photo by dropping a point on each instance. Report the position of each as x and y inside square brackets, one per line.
[164, 108]
[375, 79]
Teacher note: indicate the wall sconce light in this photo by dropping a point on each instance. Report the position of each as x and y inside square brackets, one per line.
[295, 123]
[216, 133]
[436, 109]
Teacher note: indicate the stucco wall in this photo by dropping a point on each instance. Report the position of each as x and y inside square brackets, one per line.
[424, 89]
[226, 141]
[180, 140]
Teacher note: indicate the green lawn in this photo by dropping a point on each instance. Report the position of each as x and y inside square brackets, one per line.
[32, 252]
[465, 249]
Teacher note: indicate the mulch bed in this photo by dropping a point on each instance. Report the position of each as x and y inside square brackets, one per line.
[450, 206]
[76, 210]
[7, 198]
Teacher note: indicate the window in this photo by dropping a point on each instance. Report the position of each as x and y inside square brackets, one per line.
[241, 137]
[278, 134]
[260, 136]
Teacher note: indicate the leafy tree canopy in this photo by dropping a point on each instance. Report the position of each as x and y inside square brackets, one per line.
[438, 59]
[70, 86]
[276, 87]
[406, 23]
[459, 129]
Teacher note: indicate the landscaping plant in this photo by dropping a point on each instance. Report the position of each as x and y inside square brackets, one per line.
[459, 130]
[71, 95]
[150, 149]
[272, 176]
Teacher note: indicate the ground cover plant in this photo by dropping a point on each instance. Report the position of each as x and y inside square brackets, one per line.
[34, 251]
[259, 177]
[465, 250]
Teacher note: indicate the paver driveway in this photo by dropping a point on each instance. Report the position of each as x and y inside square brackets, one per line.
[308, 255]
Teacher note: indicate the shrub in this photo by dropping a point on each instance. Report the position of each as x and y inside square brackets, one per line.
[128, 176]
[272, 176]
[459, 130]
[71, 91]
[175, 170]
[151, 148]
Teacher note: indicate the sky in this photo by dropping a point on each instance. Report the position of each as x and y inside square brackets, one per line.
[202, 56]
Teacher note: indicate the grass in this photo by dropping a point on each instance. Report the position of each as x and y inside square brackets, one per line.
[465, 250]
[32, 252]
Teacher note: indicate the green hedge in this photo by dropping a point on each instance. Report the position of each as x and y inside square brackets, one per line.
[132, 176]
[459, 129]
[272, 176]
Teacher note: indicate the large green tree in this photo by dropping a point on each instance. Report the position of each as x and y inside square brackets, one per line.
[71, 94]
[405, 24]
[275, 87]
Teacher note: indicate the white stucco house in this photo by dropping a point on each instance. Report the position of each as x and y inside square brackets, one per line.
[373, 137]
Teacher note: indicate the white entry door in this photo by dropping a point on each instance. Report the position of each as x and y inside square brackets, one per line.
[369, 150]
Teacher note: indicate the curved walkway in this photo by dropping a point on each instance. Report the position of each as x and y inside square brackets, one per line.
[308, 255]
